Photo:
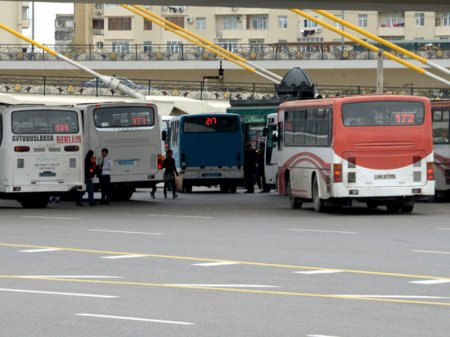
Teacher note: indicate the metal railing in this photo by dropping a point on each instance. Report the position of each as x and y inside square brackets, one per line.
[202, 90]
[274, 52]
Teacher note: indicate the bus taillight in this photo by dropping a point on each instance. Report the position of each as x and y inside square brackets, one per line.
[430, 171]
[21, 148]
[337, 173]
[160, 161]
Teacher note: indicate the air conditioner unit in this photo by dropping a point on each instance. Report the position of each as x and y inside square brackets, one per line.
[190, 19]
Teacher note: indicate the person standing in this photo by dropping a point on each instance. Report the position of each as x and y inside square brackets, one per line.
[170, 170]
[249, 168]
[105, 177]
[261, 177]
[89, 173]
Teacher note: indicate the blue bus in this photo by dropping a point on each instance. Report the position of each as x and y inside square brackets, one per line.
[208, 150]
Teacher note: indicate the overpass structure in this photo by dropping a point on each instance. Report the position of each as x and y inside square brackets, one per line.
[377, 5]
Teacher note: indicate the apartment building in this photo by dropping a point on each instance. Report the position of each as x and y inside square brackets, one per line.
[15, 15]
[113, 25]
[64, 30]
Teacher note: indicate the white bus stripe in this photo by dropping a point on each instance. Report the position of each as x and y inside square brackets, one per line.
[135, 319]
[128, 256]
[215, 264]
[48, 217]
[430, 282]
[41, 250]
[318, 231]
[431, 252]
[122, 232]
[56, 293]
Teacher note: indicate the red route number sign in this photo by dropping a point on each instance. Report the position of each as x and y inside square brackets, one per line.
[403, 118]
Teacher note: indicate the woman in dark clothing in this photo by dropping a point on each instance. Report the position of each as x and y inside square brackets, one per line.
[170, 170]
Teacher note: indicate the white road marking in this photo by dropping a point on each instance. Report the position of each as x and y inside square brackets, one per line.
[223, 285]
[181, 216]
[430, 282]
[48, 217]
[135, 319]
[395, 296]
[127, 256]
[70, 276]
[122, 232]
[431, 252]
[56, 293]
[319, 271]
[318, 231]
[41, 250]
[215, 264]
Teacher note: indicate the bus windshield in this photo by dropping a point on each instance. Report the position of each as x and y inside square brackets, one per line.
[44, 122]
[383, 113]
[131, 116]
[211, 124]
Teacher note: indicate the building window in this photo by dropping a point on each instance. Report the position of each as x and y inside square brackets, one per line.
[148, 25]
[282, 21]
[119, 23]
[230, 22]
[178, 20]
[121, 46]
[99, 44]
[147, 47]
[25, 13]
[201, 23]
[174, 47]
[446, 19]
[362, 21]
[420, 19]
[394, 20]
[230, 45]
[309, 24]
[259, 22]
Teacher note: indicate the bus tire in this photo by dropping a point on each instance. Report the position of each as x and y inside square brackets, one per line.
[317, 202]
[372, 205]
[122, 194]
[187, 187]
[407, 205]
[34, 203]
[224, 187]
[233, 188]
[393, 207]
[294, 201]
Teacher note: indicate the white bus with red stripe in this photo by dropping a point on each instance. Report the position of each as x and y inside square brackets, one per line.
[41, 153]
[376, 149]
[441, 119]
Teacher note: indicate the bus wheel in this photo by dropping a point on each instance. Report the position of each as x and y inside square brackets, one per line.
[294, 201]
[34, 203]
[122, 194]
[407, 205]
[393, 207]
[224, 188]
[233, 188]
[317, 202]
[187, 187]
[372, 205]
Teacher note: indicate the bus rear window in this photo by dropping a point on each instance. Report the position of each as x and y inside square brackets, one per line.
[382, 113]
[211, 124]
[124, 117]
[44, 122]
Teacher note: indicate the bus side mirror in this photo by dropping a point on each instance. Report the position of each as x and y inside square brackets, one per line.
[164, 135]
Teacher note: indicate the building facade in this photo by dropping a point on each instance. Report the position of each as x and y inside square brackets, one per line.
[16, 16]
[64, 30]
[113, 25]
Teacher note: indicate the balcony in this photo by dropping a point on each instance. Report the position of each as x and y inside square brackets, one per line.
[98, 32]
[391, 30]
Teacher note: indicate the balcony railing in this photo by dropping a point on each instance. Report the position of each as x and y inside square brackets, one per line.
[202, 90]
[274, 52]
